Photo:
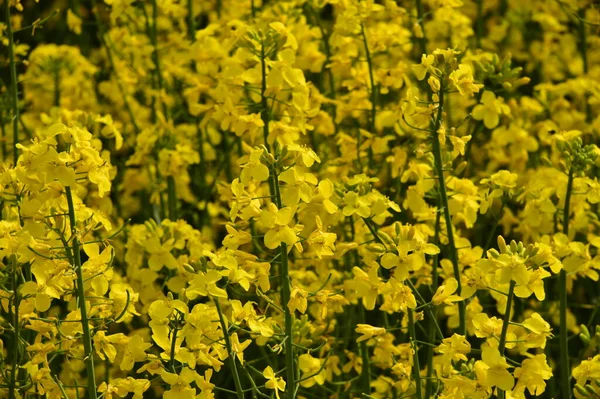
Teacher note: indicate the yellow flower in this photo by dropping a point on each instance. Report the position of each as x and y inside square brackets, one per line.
[445, 293]
[490, 109]
[492, 370]
[273, 382]
[313, 368]
[205, 284]
[277, 220]
[254, 168]
[368, 331]
[463, 80]
[297, 300]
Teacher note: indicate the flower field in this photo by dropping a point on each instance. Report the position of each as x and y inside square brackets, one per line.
[299, 199]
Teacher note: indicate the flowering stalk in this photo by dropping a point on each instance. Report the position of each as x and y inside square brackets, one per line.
[231, 355]
[565, 377]
[283, 250]
[439, 170]
[505, 323]
[87, 337]
[14, 93]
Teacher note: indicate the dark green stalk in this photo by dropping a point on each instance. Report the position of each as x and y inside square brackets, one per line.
[505, 323]
[231, 355]
[12, 386]
[87, 337]
[174, 343]
[155, 57]
[364, 351]
[565, 377]
[432, 322]
[479, 23]
[57, 89]
[285, 298]
[190, 20]
[422, 40]
[439, 170]
[584, 58]
[14, 91]
[172, 197]
[416, 366]
[373, 93]
[3, 146]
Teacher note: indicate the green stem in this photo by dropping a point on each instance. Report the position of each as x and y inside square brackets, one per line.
[439, 169]
[174, 343]
[172, 198]
[422, 40]
[12, 387]
[87, 337]
[190, 20]
[565, 378]
[155, 57]
[432, 322]
[364, 351]
[231, 355]
[505, 323]
[13, 82]
[479, 24]
[416, 366]
[285, 298]
[373, 92]
[584, 58]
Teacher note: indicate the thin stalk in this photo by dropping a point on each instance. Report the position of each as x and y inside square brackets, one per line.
[174, 343]
[565, 378]
[439, 168]
[231, 355]
[584, 58]
[87, 337]
[432, 322]
[364, 351]
[421, 20]
[155, 57]
[14, 92]
[12, 387]
[479, 24]
[505, 323]
[172, 198]
[190, 20]
[416, 366]
[373, 92]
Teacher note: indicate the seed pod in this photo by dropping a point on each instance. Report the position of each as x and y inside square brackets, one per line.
[581, 390]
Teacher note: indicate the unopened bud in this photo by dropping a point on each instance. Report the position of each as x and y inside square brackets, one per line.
[502, 245]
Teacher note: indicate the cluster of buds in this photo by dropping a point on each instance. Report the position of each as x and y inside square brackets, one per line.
[577, 157]
[500, 72]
